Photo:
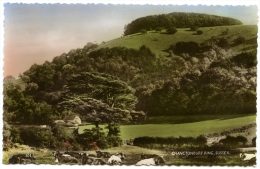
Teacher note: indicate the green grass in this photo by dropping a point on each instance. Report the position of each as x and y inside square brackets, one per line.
[191, 119]
[182, 129]
[183, 34]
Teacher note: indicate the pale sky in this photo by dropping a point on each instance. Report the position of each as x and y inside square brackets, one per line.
[34, 33]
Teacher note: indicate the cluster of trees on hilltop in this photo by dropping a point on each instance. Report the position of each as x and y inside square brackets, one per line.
[179, 20]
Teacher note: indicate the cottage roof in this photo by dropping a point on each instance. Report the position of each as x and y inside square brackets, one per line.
[70, 117]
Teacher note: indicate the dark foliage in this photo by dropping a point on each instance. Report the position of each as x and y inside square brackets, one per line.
[185, 47]
[171, 30]
[36, 136]
[194, 28]
[223, 43]
[149, 142]
[239, 40]
[233, 142]
[199, 32]
[96, 138]
[178, 20]
[246, 60]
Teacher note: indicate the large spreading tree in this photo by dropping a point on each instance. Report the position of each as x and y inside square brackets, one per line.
[100, 98]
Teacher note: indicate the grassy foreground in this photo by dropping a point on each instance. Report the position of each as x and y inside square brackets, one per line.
[182, 129]
[44, 156]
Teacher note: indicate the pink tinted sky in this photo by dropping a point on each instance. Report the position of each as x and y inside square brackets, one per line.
[34, 33]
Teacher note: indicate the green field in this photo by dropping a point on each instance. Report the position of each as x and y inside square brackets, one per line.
[182, 129]
[249, 32]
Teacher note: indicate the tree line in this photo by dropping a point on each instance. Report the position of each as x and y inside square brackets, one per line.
[178, 20]
[153, 142]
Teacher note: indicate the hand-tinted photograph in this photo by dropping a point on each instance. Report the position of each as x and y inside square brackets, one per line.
[108, 84]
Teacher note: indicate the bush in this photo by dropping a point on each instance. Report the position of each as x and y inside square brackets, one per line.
[62, 133]
[143, 31]
[194, 28]
[225, 32]
[114, 141]
[36, 136]
[223, 43]
[171, 30]
[185, 47]
[239, 40]
[159, 29]
[93, 137]
[199, 32]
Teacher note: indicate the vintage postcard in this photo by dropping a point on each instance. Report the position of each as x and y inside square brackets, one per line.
[129, 84]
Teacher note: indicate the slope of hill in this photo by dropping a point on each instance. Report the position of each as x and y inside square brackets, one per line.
[159, 42]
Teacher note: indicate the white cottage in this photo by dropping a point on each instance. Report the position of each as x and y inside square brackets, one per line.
[72, 119]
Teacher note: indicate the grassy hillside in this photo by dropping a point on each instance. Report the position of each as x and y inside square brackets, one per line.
[187, 129]
[192, 118]
[249, 32]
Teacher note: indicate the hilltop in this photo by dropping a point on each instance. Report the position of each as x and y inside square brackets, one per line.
[178, 20]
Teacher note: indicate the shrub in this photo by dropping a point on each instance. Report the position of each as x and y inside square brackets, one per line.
[194, 28]
[36, 136]
[171, 30]
[223, 43]
[225, 32]
[143, 31]
[93, 137]
[199, 32]
[159, 29]
[114, 141]
[239, 40]
[62, 133]
[185, 47]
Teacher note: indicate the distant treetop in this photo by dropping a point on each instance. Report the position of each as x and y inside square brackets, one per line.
[178, 20]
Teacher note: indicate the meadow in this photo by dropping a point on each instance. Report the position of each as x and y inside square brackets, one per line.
[206, 126]
[163, 41]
